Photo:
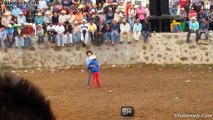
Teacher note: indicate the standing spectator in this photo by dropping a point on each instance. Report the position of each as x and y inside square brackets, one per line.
[76, 32]
[21, 18]
[88, 60]
[71, 17]
[193, 28]
[183, 14]
[121, 7]
[95, 70]
[183, 3]
[5, 20]
[115, 27]
[201, 15]
[137, 30]
[68, 34]
[40, 34]
[60, 34]
[100, 11]
[125, 31]
[16, 11]
[39, 19]
[18, 34]
[146, 30]
[63, 17]
[204, 28]
[211, 4]
[28, 33]
[100, 32]
[3, 37]
[55, 19]
[141, 14]
[174, 8]
[107, 31]
[10, 36]
[118, 15]
[84, 32]
[147, 11]
[128, 6]
[109, 16]
[131, 17]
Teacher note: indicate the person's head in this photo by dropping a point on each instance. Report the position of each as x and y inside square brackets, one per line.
[2, 28]
[91, 22]
[15, 7]
[140, 6]
[21, 14]
[121, 2]
[55, 13]
[115, 21]
[76, 23]
[204, 20]
[138, 21]
[39, 14]
[124, 21]
[39, 27]
[63, 12]
[21, 100]
[89, 53]
[193, 19]
[19, 26]
[84, 21]
[59, 24]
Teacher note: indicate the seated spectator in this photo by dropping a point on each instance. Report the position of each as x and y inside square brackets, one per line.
[125, 31]
[115, 28]
[92, 28]
[47, 20]
[55, 17]
[100, 32]
[68, 34]
[3, 37]
[21, 100]
[204, 28]
[51, 33]
[18, 34]
[146, 30]
[60, 34]
[137, 30]
[192, 14]
[40, 34]
[10, 36]
[193, 28]
[84, 32]
[76, 32]
[107, 33]
[63, 17]
[78, 17]
[16, 11]
[28, 33]
[21, 18]
[5, 20]
[175, 26]
[39, 19]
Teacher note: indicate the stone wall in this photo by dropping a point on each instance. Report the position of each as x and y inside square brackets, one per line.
[163, 48]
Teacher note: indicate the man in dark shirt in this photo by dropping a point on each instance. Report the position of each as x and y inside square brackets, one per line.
[146, 30]
[204, 28]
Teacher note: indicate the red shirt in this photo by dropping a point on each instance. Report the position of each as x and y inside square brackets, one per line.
[29, 30]
[183, 2]
[127, 9]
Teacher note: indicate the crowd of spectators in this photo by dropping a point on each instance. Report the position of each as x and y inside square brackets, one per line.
[67, 22]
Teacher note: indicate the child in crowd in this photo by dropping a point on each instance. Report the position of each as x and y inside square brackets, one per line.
[40, 34]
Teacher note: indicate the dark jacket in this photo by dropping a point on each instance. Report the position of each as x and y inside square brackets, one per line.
[69, 29]
[55, 20]
[16, 33]
[100, 28]
[146, 27]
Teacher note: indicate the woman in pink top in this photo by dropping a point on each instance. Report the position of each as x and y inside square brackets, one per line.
[141, 14]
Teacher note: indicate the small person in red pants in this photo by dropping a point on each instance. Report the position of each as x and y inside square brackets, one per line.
[95, 70]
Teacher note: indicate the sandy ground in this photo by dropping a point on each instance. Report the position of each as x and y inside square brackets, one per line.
[155, 92]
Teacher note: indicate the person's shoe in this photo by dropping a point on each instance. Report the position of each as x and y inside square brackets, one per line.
[207, 42]
[199, 41]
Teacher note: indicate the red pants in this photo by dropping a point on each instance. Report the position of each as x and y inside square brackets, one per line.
[96, 77]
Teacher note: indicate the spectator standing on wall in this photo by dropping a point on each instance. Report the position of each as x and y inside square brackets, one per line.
[40, 34]
[193, 28]
[141, 13]
[28, 33]
[131, 17]
[204, 28]
[10, 36]
[68, 40]
[60, 34]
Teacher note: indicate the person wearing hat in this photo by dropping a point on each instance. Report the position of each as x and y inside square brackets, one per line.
[10, 32]
[21, 18]
[29, 31]
[115, 31]
[40, 34]
[60, 34]
[84, 32]
[63, 17]
[76, 32]
[47, 20]
[68, 40]
[121, 8]
[94, 67]
[118, 15]
[88, 60]
[204, 28]
[100, 32]
[5, 20]
[16, 11]
[3, 37]
[193, 28]
[125, 31]
[71, 17]
[109, 15]
[39, 19]
[18, 35]
[51, 33]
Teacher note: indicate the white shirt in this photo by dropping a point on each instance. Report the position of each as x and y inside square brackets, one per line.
[60, 29]
[51, 27]
[62, 18]
[42, 4]
[70, 18]
[125, 28]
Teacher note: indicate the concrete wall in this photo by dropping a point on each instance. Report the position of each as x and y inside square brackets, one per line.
[163, 48]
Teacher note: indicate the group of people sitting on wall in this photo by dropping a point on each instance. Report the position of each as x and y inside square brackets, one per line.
[68, 22]
[195, 16]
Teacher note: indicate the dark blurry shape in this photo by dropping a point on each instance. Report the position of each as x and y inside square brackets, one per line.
[20, 100]
[159, 7]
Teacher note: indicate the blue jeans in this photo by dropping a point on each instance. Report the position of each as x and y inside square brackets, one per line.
[173, 10]
[107, 36]
[28, 41]
[131, 22]
[3, 45]
[145, 35]
[176, 28]
[19, 41]
[76, 37]
[206, 34]
[114, 37]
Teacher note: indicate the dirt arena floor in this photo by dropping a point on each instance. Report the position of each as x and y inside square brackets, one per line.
[155, 92]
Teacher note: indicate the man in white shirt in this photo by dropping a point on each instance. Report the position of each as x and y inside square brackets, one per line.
[63, 17]
[60, 34]
[125, 31]
[84, 32]
[71, 17]
[51, 33]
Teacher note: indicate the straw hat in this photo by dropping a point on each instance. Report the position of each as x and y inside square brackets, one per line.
[92, 57]
[39, 14]
[6, 13]
[39, 25]
[10, 26]
[21, 13]
[47, 13]
[63, 11]
[81, 6]
[84, 20]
